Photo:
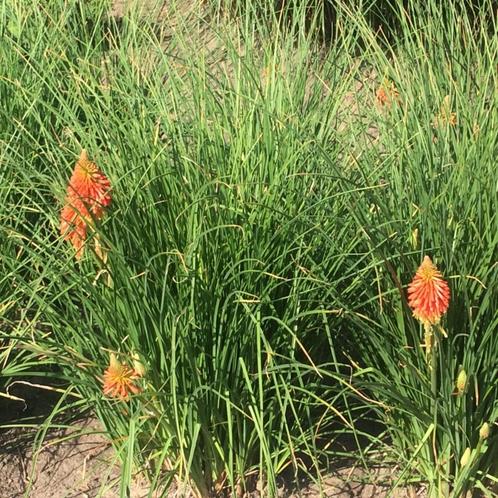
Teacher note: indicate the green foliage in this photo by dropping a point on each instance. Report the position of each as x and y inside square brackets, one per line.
[436, 195]
[259, 238]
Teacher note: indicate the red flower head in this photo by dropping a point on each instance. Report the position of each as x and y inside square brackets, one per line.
[119, 380]
[387, 94]
[428, 293]
[88, 193]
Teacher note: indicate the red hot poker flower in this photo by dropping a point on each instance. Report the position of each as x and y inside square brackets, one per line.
[428, 293]
[90, 185]
[119, 380]
[88, 193]
[387, 94]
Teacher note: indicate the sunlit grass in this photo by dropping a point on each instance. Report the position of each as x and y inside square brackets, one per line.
[267, 212]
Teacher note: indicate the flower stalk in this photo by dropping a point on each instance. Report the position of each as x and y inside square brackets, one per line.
[428, 297]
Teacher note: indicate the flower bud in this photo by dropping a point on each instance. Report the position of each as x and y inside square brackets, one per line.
[461, 382]
[138, 366]
[484, 431]
[114, 362]
[414, 238]
[465, 457]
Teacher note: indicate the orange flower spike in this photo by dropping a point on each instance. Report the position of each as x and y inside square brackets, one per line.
[428, 293]
[382, 97]
[88, 192]
[387, 93]
[90, 185]
[119, 380]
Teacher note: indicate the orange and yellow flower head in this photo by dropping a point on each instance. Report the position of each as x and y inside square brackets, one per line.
[428, 293]
[87, 196]
[120, 380]
[387, 94]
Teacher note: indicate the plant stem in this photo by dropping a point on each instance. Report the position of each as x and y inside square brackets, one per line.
[433, 340]
[433, 365]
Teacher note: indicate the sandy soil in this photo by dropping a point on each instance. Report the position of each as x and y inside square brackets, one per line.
[65, 467]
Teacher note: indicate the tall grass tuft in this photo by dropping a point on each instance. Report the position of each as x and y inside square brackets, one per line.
[221, 277]
[271, 199]
[433, 162]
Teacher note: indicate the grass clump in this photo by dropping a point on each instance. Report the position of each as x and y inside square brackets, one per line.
[271, 198]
